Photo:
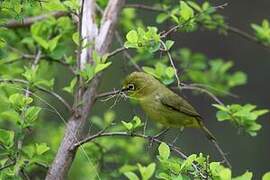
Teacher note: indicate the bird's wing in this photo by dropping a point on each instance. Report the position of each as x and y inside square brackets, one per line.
[177, 103]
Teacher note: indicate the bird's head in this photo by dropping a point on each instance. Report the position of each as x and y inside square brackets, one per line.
[140, 84]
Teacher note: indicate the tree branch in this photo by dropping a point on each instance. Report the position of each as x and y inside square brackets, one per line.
[246, 36]
[133, 135]
[54, 94]
[8, 165]
[74, 128]
[145, 7]
[116, 51]
[28, 21]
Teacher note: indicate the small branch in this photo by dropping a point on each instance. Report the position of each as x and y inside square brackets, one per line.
[32, 57]
[126, 54]
[30, 20]
[145, 7]
[116, 51]
[8, 165]
[172, 63]
[215, 98]
[57, 96]
[174, 28]
[125, 134]
[246, 36]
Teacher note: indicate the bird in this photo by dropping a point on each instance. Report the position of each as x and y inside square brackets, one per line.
[164, 106]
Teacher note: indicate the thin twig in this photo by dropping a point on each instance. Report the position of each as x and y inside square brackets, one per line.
[27, 21]
[172, 63]
[214, 89]
[7, 166]
[215, 98]
[174, 28]
[145, 7]
[126, 54]
[116, 51]
[57, 96]
[246, 36]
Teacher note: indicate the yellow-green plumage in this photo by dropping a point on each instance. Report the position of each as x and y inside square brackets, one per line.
[164, 106]
[160, 103]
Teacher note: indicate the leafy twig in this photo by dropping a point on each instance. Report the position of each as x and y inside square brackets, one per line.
[57, 96]
[8, 165]
[132, 135]
[172, 63]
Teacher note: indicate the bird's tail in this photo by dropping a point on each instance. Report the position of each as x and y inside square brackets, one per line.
[212, 138]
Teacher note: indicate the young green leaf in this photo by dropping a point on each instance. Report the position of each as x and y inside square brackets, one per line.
[6, 138]
[42, 148]
[70, 88]
[131, 176]
[164, 151]
[266, 176]
[127, 125]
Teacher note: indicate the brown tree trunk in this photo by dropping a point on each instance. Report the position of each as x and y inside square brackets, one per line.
[74, 129]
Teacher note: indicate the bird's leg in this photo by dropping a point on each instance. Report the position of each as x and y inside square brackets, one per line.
[178, 134]
[161, 133]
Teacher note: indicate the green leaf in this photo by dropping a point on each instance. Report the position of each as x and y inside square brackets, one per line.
[266, 176]
[220, 107]
[149, 171]
[221, 116]
[32, 113]
[194, 5]
[169, 44]
[131, 176]
[164, 151]
[238, 78]
[70, 88]
[187, 164]
[132, 36]
[162, 17]
[42, 42]
[10, 115]
[88, 72]
[136, 122]
[170, 72]
[19, 100]
[225, 174]
[109, 117]
[150, 70]
[185, 11]
[42, 148]
[101, 67]
[53, 42]
[128, 125]
[246, 176]
[76, 38]
[2, 43]
[6, 138]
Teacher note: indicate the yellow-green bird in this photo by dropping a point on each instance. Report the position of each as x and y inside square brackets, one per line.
[164, 106]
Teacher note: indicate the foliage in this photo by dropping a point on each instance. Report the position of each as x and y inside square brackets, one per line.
[262, 32]
[243, 116]
[45, 55]
[215, 73]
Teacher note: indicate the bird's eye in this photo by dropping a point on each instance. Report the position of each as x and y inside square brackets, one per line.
[131, 87]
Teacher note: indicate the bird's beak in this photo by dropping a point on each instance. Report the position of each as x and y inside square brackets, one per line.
[124, 89]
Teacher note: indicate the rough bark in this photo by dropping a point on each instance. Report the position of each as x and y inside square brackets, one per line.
[74, 128]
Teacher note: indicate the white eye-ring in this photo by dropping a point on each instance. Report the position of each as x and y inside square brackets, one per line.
[131, 87]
